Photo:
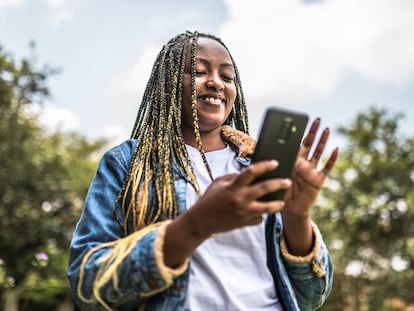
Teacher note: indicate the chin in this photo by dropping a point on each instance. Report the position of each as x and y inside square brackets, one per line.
[210, 126]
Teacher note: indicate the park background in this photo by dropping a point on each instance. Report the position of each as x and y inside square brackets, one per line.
[72, 74]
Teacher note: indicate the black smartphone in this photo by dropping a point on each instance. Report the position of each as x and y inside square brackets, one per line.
[280, 139]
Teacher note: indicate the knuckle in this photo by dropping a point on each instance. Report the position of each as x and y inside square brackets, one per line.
[238, 200]
[265, 187]
[270, 185]
[250, 169]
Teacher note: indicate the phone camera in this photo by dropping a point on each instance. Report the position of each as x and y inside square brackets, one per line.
[287, 127]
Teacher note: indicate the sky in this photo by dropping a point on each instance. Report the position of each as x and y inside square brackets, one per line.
[331, 59]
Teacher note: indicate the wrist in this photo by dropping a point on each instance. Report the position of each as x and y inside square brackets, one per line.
[195, 225]
[297, 219]
[181, 239]
[298, 233]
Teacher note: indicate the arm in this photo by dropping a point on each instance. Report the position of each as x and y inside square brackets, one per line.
[310, 276]
[305, 255]
[307, 182]
[229, 202]
[302, 282]
[98, 235]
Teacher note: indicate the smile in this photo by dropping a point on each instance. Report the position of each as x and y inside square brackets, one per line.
[216, 100]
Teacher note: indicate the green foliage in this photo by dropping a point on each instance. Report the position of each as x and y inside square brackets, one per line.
[43, 180]
[365, 214]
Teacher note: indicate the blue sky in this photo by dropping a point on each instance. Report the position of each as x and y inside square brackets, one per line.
[329, 58]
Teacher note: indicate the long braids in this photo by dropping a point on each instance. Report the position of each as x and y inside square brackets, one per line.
[161, 147]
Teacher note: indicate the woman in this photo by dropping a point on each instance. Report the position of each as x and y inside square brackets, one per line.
[180, 188]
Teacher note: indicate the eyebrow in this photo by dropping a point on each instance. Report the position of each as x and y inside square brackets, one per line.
[206, 62]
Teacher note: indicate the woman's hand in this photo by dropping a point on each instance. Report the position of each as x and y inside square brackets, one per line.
[231, 201]
[307, 178]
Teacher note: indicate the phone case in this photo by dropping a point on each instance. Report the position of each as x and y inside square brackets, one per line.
[280, 138]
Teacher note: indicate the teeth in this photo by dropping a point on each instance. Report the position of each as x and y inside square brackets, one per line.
[212, 99]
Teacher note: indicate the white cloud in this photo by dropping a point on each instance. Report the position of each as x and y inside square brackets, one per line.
[132, 80]
[56, 3]
[61, 11]
[115, 133]
[10, 3]
[127, 88]
[289, 51]
[55, 118]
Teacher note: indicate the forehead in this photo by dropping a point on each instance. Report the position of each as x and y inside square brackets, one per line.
[212, 50]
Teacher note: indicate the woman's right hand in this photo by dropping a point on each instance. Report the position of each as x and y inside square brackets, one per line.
[231, 201]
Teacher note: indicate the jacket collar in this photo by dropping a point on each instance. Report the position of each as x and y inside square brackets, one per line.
[245, 143]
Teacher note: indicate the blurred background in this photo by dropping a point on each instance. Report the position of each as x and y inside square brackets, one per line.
[72, 74]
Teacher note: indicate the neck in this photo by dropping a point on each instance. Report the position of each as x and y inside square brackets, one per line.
[211, 140]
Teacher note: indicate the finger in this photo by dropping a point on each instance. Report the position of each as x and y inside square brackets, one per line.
[331, 161]
[269, 207]
[262, 188]
[320, 147]
[249, 174]
[309, 139]
[257, 219]
[227, 178]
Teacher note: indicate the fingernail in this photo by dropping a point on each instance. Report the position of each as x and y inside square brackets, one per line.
[273, 163]
[287, 182]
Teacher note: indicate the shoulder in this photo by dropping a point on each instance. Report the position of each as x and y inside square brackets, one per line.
[122, 152]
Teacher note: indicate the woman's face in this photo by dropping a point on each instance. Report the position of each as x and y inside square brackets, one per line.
[214, 84]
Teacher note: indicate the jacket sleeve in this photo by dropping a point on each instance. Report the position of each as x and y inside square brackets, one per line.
[310, 276]
[98, 245]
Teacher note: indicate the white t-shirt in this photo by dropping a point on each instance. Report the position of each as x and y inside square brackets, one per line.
[228, 272]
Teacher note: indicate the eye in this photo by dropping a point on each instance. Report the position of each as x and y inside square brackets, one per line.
[200, 72]
[228, 78]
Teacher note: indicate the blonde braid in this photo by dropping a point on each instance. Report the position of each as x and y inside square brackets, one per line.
[161, 147]
[194, 105]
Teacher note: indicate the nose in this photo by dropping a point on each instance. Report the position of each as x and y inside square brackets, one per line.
[215, 82]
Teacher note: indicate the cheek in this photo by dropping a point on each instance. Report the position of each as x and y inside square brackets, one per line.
[187, 84]
[186, 90]
[187, 94]
[232, 93]
[198, 84]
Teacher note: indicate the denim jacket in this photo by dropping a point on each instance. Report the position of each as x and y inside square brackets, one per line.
[144, 282]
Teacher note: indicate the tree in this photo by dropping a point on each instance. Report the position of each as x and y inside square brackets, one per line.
[366, 211]
[43, 180]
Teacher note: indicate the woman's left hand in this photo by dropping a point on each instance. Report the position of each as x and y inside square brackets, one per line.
[307, 178]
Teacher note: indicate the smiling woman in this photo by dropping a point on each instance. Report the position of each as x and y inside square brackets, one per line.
[181, 190]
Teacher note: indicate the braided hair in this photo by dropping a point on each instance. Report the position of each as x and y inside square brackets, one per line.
[160, 155]
[160, 152]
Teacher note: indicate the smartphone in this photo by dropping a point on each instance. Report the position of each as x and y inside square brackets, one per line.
[280, 139]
